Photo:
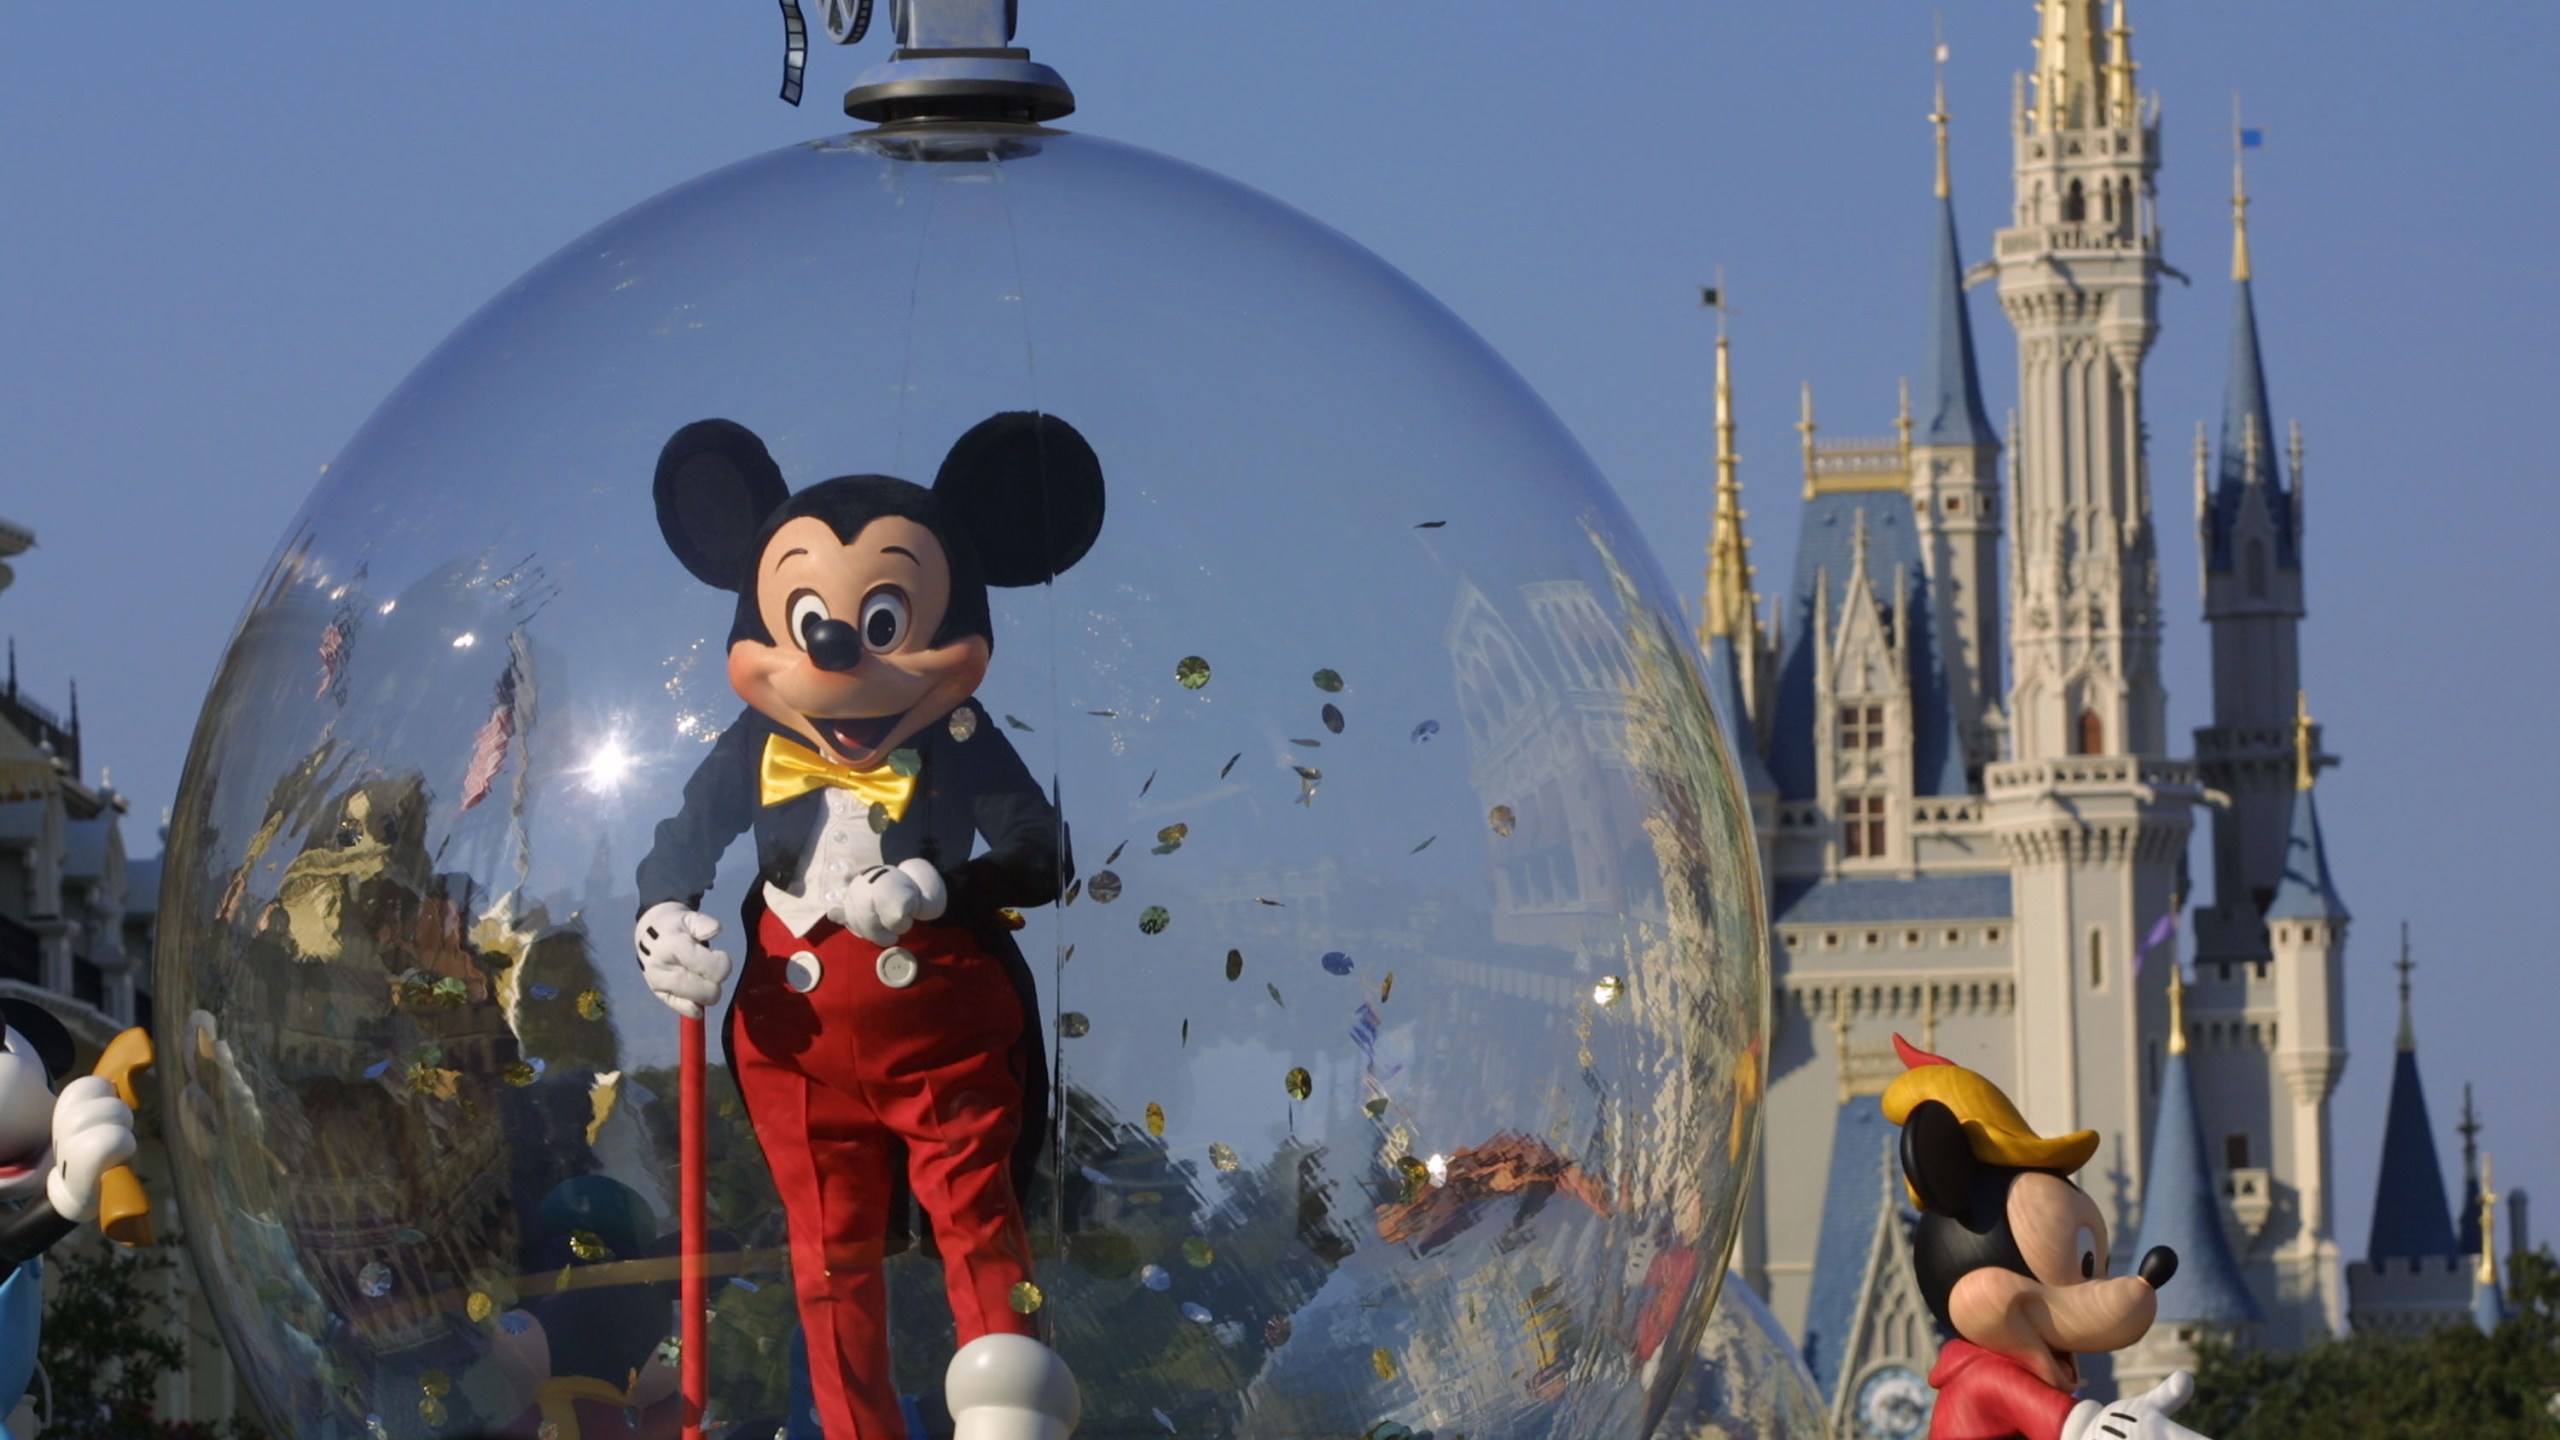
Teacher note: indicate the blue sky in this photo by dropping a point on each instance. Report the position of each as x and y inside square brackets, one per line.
[226, 236]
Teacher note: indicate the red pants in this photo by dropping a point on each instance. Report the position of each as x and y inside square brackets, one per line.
[835, 1081]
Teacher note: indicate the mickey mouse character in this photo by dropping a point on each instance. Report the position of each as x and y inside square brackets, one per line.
[2012, 1259]
[885, 1025]
[54, 1149]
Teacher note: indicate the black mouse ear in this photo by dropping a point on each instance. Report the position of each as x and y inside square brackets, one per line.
[714, 489]
[1029, 490]
[43, 1031]
[1938, 1160]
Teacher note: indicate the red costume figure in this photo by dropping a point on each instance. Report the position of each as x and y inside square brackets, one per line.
[2012, 1260]
[885, 1033]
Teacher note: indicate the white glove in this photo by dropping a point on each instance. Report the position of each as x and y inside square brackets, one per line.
[2141, 1417]
[676, 960]
[92, 1134]
[881, 904]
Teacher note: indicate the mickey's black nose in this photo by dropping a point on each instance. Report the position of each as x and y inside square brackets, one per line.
[832, 644]
[2158, 1266]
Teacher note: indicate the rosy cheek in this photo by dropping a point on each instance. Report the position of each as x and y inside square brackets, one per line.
[752, 668]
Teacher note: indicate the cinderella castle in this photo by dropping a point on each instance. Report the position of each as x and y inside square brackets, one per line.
[1974, 821]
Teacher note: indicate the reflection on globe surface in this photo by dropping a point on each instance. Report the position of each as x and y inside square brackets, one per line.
[1401, 1013]
[1747, 1381]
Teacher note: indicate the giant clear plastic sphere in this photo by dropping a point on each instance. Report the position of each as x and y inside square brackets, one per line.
[1746, 1380]
[1406, 1006]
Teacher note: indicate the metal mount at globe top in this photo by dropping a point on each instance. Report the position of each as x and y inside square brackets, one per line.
[955, 60]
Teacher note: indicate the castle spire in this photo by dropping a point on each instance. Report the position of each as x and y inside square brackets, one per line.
[2470, 1212]
[2239, 198]
[2181, 1206]
[2488, 1308]
[1950, 382]
[2305, 890]
[1805, 427]
[2069, 69]
[1731, 607]
[2410, 1219]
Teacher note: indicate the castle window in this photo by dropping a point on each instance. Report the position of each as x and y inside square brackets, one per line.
[2107, 203]
[2097, 959]
[1955, 504]
[2254, 562]
[2092, 736]
[1911, 939]
[2235, 1151]
[1861, 727]
[1955, 937]
[1862, 826]
[2075, 205]
[1991, 937]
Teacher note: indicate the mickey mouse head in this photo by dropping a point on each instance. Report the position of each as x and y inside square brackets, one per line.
[862, 601]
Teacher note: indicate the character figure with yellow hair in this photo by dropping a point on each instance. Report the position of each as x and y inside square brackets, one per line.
[2012, 1260]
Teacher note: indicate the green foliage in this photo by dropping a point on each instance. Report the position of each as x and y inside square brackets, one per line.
[2451, 1384]
[108, 1340]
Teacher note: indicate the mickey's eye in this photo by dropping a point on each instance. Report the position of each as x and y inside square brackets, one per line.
[2092, 1263]
[806, 610]
[884, 618]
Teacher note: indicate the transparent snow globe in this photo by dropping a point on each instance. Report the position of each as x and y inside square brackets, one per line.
[1392, 1000]
[1746, 1380]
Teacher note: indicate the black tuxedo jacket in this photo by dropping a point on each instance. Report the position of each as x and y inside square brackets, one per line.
[967, 789]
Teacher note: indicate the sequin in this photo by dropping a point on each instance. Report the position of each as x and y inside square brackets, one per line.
[1150, 785]
[1336, 963]
[479, 1307]
[1024, 1297]
[1199, 1254]
[1074, 1025]
[1173, 834]
[1425, 845]
[1156, 1278]
[1114, 857]
[1423, 732]
[589, 1246]
[1332, 717]
[1153, 919]
[1374, 1106]
[543, 992]
[1017, 723]
[1502, 820]
[519, 1074]
[1191, 672]
[515, 1322]
[1235, 964]
[1074, 889]
[905, 763]
[436, 1382]
[374, 1280]
[431, 1410]
[591, 1005]
[1607, 991]
[880, 818]
[1274, 992]
[1299, 1083]
[1329, 681]
[1383, 1361]
[1223, 1155]
[1413, 1173]
[1195, 1312]
[1155, 1119]
[1230, 765]
[1104, 887]
[1387, 987]
[1011, 918]
[1276, 1331]
[964, 723]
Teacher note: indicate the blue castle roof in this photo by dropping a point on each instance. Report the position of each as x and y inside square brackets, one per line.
[1883, 898]
[2409, 1216]
[2306, 891]
[2181, 1210]
[1950, 386]
[1863, 1149]
[1825, 551]
[2245, 400]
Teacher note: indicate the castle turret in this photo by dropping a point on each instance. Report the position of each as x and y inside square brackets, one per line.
[1955, 489]
[1729, 626]
[2413, 1276]
[2306, 927]
[2182, 1209]
[2488, 1307]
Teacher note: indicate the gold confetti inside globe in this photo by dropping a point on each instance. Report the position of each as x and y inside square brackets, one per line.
[1025, 1297]
[431, 1409]
[435, 1382]
[1607, 990]
[474, 684]
[1383, 1361]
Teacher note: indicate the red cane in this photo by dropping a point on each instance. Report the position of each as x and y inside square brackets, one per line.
[693, 1181]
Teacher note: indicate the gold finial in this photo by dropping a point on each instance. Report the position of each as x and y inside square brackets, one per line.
[2239, 196]
[2177, 1008]
[1732, 608]
[2120, 68]
[2408, 1040]
[1902, 421]
[2488, 1272]
[1938, 111]
[2304, 761]
[1804, 427]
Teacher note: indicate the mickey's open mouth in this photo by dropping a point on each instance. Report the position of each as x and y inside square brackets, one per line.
[25, 1163]
[856, 735]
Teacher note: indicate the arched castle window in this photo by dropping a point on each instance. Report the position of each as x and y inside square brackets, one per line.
[2075, 204]
[2254, 562]
[2107, 202]
[2124, 202]
[2097, 959]
[2091, 738]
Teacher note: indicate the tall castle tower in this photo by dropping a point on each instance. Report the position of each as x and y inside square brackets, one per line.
[2091, 815]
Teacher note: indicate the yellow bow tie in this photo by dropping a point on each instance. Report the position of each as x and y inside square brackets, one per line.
[791, 770]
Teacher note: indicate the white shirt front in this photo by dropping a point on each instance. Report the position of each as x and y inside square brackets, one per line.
[844, 848]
